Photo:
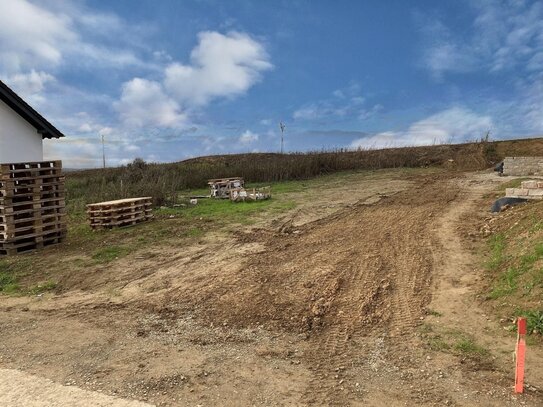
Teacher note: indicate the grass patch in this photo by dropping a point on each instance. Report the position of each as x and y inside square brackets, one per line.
[507, 284]
[467, 347]
[438, 344]
[497, 248]
[11, 271]
[194, 232]
[534, 320]
[433, 313]
[108, 254]
[515, 264]
[224, 211]
[457, 343]
[42, 288]
[8, 283]
[510, 280]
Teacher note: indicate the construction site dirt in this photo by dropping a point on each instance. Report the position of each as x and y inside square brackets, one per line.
[328, 304]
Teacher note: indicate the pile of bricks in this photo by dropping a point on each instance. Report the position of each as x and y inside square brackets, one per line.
[523, 166]
[32, 206]
[527, 190]
[120, 213]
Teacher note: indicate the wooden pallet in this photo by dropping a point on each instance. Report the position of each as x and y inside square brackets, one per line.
[32, 206]
[120, 213]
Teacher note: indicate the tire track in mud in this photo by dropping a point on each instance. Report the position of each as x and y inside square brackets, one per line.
[386, 295]
[382, 259]
[345, 280]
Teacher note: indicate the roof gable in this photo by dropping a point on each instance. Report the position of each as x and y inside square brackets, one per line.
[23, 109]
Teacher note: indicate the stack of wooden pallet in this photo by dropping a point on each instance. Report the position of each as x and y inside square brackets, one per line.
[123, 212]
[32, 206]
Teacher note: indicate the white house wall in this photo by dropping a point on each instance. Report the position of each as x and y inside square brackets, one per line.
[19, 141]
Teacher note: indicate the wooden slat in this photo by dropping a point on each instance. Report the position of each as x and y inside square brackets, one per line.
[32, 206]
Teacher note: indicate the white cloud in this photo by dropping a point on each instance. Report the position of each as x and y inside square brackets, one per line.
[144, 103]
[85, 128]
[36, 37]
[132, 148]
[503, 35]
[450, 126]
[221, 66]
[344, 103]
[248, 137]
[31, 35]
[28, 84]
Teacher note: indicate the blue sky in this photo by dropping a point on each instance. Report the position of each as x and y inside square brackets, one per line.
[167, 80]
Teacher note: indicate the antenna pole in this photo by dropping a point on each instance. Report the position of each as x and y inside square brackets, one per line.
[103, 152]
[282, 127]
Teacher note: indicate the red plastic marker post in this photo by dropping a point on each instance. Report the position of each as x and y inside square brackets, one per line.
[520, 355]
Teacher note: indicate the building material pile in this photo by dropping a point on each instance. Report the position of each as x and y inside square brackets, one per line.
[522, 166]
[120, 213]
[254, 194]
[527, 190]
[222, 187]
[32, 206]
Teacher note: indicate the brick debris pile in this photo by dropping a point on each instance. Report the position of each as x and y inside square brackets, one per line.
[527, 190]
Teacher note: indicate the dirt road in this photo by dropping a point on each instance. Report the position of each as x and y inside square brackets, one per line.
[318, 307]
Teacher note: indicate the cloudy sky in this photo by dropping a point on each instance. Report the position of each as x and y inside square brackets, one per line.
[167, 80]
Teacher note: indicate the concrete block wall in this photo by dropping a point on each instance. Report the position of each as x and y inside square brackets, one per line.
[523, 166]
[527, 190]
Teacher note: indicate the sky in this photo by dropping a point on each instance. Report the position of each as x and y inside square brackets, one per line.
[166, 80]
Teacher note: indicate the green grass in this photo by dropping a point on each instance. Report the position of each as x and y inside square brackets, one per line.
[42, 288]
[434, 313]
[508, 282]
[515, 263]
[11, 270]
[224, 211]
[108, 254]
[438, 344]
[454, 341]
[8, 283]
[467, 347]
[534, 320]
[497, 248]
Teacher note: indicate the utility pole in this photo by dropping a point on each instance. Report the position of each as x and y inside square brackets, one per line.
[103, 152]
[282, 127]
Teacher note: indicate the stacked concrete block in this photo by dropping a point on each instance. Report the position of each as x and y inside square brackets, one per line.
[527, 190]
[523, 166]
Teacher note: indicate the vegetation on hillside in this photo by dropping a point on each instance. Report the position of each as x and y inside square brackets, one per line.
[164, 181]
[515, 264]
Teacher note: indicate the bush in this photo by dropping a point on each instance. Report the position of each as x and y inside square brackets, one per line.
[163, 181]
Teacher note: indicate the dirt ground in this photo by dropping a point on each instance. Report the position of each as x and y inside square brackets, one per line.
[329, 304]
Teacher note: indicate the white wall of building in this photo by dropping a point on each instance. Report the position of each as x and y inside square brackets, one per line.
[19, 141]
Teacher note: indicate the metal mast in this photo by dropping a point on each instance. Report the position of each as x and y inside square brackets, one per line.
[103, 152]
[282, 127]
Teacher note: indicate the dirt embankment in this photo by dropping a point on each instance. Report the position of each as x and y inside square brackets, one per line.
[329, 312]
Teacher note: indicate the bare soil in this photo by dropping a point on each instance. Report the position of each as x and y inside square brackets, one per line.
[331, 304]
